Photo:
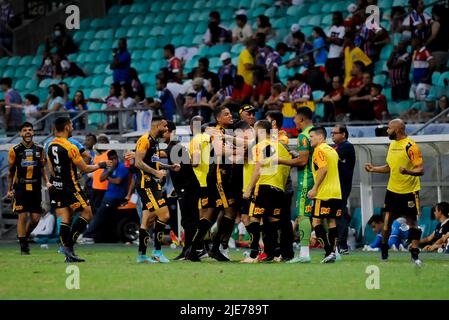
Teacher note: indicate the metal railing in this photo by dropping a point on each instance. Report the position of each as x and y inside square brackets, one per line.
[429, 122]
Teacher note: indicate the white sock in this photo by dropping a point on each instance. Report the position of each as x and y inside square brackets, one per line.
[304, 252]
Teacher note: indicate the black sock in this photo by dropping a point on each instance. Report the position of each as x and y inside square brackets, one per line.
[188, 237]
[254, 236]
[333, 236]
[268, 238]
[144, 238]
[64, 235]
[159, 233]
[321, 236]
[415, 253]
[203, 227]
[225, 228]
[78, 228]
[276, 230]
[384, 249]
[23, 242]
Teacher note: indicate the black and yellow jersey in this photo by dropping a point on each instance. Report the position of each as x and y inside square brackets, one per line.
[404, 153]
[25, 165]
[325, 156]
[200, 144]
[220, 164]
[150, 146]
[62, 156]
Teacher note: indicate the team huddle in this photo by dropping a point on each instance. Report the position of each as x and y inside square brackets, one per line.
[231, 169]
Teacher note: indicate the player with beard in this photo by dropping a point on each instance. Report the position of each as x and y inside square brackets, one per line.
[64, 160]
[26, 170]
[405, 165]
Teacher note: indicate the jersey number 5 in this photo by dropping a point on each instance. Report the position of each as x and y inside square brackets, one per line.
[55, 154]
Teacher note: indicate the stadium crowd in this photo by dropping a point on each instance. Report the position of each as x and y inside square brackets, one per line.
[339, 62]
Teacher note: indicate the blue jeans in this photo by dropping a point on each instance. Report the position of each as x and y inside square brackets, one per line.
[107, 206]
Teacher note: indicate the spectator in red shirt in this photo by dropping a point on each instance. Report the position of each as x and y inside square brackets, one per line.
[335, 103]
[241, 93]
[379, 102]
[360, 104]
[174, 64]
[356, 81]
[262, 89]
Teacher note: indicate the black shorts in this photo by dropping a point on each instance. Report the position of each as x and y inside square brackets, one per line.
[220, 192]
[75, 200]
[27, 201]
[151, 196]
[245, 205]
[267, 201]
[203, 201]
[402, 205]
[327, 208]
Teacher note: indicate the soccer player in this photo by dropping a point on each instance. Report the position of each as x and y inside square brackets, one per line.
[398, 236]
[220, 190]
[405, 165]
[148, 174]
[185, 184]
[304, 124]
[64, 160]
[326, 192]
[199, 150]
[26, 171]
[268, 186]
[276, 119]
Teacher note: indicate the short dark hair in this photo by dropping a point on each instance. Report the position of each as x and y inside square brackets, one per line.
[26, 125]
[242, 125]
[171, 126]
[299, 35]
[281, 46]
[60, 123]
[92, 136]
[157, 119]
[242, 18]
[377, 86]
[204, 61]
[264, 124]
[276, 116]
[444, 208]
[170, 48]
[305, 112]
[343, 129]
[319, 130]
[219, 110]
[112, 154]
[376, 218]
[32, 98]
[215, 15]
[6, 81]
[350, 36]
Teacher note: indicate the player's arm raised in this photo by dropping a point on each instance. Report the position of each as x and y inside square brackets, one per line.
[77, 159]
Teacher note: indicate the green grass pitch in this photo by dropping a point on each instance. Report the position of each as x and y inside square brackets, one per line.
[111, 273]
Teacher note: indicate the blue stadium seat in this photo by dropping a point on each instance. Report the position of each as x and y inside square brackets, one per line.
[31, 85]
[31, 71]
[444, 77]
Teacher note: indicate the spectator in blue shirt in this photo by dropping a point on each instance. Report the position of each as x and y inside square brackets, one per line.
[115, 195]
[319, 48]
[346, 163]
[121, 65]
[165, 101]
[13, 116]
[76, 105]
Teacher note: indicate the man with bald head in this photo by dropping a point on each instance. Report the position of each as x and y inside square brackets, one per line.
[405, 166]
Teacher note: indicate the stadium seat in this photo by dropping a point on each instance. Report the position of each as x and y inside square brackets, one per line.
[436, 78]
[403, 106]
[20, 85]
[31, 85]
[315, 9]
[9, 72]
[31, 71]
[380, 79]
[444, 77]
[386, 52]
